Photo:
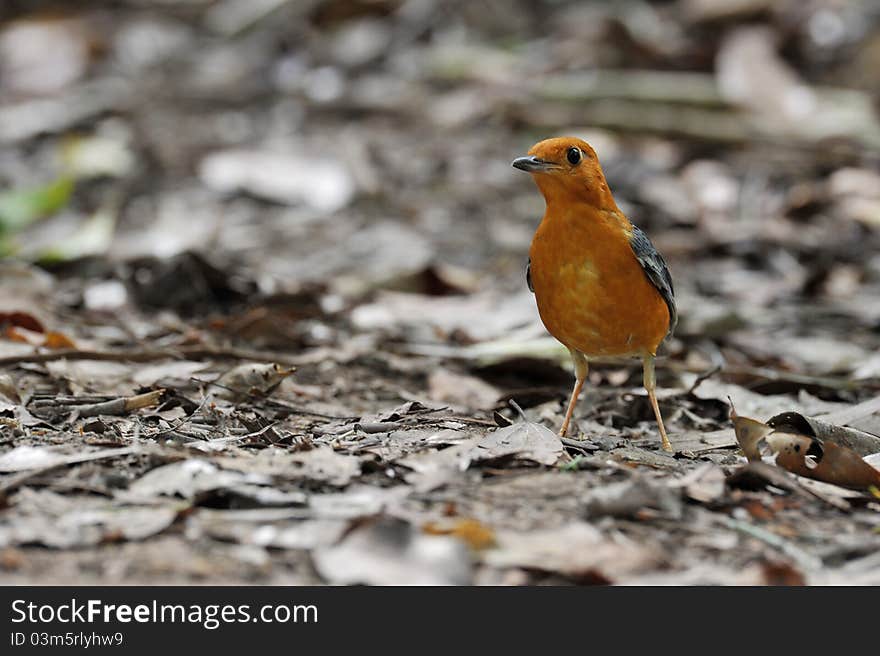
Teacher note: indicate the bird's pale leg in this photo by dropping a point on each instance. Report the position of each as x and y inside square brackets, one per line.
[648, 366]
[580, 371]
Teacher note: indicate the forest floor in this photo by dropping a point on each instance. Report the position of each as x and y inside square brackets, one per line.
[265, 318]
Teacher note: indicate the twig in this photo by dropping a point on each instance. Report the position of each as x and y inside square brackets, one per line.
[378, 426]
[704, 376]
[577, 444]
[238, 438]
[304, 411]
[464, 420]
[122, 405]
[182, 422]
[148, 355]
[774, 375]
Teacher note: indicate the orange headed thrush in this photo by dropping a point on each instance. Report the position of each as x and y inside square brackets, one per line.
[602, 288]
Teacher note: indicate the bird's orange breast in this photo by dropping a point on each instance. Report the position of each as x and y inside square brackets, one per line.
[591, 291]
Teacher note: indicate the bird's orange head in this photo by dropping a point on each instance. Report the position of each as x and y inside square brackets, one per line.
[567, 170]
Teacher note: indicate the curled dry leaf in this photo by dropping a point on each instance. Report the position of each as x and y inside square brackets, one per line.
[844, 436]
[826, 461]
[21, 320]
[24, 327]
[835, 458]
[749, 433]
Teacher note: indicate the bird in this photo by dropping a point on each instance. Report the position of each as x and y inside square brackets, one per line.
[601, 287]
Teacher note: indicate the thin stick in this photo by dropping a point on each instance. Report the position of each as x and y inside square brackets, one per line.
[181, 422]
[122, 405]
[704, 376]
[148, 355]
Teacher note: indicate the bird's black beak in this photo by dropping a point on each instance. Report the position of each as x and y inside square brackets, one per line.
[532, 164]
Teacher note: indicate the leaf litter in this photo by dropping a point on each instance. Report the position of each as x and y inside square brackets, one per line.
[203, 231]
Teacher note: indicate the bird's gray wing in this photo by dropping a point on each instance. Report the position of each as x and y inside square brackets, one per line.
[656, 270]
[529, 275]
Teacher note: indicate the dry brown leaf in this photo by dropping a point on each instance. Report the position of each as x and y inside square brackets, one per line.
[826, 461]
[22, 320]
[473, 533]
[748, 433]
[829, 459]
[821, 428]
[56, 340]
[15, 334]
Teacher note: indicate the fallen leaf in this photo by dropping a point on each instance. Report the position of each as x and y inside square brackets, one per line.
[61, 522]
[288, 178]
[245, 528]
[392, 552]
[19, 208]
[824, 461]
[56, 340]
[321, 464]
[466, 391]
[21, 320]
[14, 334]
[577, 549]
[473, 533]
[858, 441]
[749, 432]
[26, 457]
[188, 478]
[433, 469]
[251, 379]
[325, 465]
[631, 498]
[834, 458]
[705, 484]
[524, 441]
[29, 457]
[8, 389]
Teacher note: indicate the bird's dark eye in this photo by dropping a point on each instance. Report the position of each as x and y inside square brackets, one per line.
[573, 155]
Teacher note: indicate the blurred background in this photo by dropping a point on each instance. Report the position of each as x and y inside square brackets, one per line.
[327, 183]
[201, 156]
